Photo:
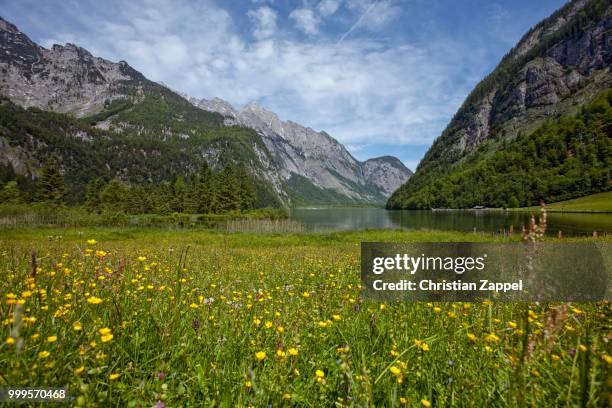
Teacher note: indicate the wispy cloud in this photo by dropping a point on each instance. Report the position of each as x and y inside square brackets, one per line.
[305, 20]
[332, 64]
[264, 22]
[358, 22]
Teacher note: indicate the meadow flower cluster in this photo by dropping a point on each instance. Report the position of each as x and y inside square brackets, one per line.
[198, 318]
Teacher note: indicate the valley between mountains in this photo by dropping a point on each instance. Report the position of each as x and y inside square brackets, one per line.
[97, 119]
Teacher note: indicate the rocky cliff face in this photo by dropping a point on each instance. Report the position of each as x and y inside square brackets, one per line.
[63, 79]
[302, 151]
[559, 65]
[292, 159]
[548, 66]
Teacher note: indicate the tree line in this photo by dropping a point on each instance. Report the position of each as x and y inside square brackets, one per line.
[202, 192]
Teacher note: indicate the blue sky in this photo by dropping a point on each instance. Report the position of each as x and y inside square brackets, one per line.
[381, 76]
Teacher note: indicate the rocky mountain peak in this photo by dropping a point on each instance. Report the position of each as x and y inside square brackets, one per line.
[64, 78]
[296, 160]
[8, 26]
[315, 156]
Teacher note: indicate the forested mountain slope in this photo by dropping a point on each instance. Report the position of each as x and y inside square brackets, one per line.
[559, 66]
[112, 122]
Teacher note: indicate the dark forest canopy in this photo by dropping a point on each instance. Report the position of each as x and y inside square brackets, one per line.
[205, 192]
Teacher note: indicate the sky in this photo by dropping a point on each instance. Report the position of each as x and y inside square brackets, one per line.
[384, 77]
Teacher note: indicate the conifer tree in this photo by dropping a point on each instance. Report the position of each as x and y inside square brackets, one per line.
[227, 190]
[246, 190]
[205, 190]
[10, 194]
[92, 194]
[113, 195]
[51, 187]
[178, 194]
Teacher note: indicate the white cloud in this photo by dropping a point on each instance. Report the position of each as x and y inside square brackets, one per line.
[361, 91]
[328, 7]
[305, 20]
[375, 14]
[264, 19]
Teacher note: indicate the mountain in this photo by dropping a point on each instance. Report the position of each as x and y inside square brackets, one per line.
[558, 67]
[97, 118]
[304, 155]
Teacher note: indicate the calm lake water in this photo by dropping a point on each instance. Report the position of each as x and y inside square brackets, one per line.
[339, 219]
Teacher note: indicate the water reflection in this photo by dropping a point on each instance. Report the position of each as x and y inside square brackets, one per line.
[339, 219]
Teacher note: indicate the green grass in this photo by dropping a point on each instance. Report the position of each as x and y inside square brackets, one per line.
[594, 203]
[601, 202]
[189, 310]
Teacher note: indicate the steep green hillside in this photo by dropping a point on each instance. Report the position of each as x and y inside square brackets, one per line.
[565, 158]
[137, 148]
[557, 67]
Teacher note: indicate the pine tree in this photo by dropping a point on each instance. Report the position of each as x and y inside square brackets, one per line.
[246, 190]
[51, 187]
[227, 197]
[10, 194]
[92, 194]
[178, 195]
[113, 196]
[191, 194]
[205, 190]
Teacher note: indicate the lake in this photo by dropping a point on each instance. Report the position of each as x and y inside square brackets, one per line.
[339, 219]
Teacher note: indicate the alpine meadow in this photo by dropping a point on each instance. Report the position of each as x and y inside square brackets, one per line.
[177, 230]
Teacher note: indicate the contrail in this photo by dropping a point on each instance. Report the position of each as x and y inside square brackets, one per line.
[356, 23]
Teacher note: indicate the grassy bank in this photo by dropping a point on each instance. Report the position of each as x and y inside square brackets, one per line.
[137, 317]
[594, 203]
[601, 202]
